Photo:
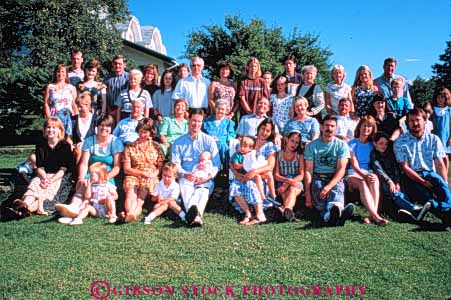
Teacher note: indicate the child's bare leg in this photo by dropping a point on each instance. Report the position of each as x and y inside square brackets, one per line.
[40, 210]
[159, 209]
[174, 207]
[270, 180]
[259, 183]
[110, 207]
[88, 210]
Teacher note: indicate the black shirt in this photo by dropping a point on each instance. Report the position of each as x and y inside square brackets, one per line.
[54, 159]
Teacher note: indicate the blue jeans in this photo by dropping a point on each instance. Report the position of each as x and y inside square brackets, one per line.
[400, 199]
[335, 197]
[440, 196]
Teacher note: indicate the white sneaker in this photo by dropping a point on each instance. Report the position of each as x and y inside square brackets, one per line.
[65, 220]
[112, 220]
[147, 220]
[76, 222]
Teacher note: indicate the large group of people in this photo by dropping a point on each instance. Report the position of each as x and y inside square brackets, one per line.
[164, 139]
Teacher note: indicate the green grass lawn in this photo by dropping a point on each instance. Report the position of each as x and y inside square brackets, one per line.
[42, 259]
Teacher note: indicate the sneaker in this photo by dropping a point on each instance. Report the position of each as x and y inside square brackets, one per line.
[346, 214]
[335, 215]
[147, 220]
[197, 222]
[192, 213]
[423, 211]
[76, 221]
[289, 215]
[65, 220]
[406, 216]
[112, 220]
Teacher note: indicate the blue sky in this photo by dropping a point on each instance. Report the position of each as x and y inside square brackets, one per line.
[357, 32]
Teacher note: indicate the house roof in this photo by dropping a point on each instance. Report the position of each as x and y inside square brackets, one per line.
[148, 51]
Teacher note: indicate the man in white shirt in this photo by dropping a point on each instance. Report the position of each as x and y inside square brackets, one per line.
[194, 88]
[76, 73]
[345, 123]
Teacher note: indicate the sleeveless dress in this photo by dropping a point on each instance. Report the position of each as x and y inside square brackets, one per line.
[363, 100]
[60, 103]
[288, 168]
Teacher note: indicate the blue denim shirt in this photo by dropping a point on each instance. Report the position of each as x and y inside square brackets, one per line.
[419, 153]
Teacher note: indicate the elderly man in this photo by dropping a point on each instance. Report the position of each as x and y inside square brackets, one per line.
[76, 73]
[420, 155]
[384, 81]
[194, 88]
[325, 165]
[186, 151]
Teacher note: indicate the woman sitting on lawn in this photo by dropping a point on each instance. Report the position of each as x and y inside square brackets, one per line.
[102, 147]
[360, 176]
[265, 150]
[143, 161]
[53, 160]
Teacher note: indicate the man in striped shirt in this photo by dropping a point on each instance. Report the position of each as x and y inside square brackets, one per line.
[115, 83]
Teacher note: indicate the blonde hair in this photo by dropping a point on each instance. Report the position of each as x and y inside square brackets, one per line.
[101, 170]
[357, 81]
[338, 68]
[56, 122]
[397, 82]
[297, 100]
[170, 167]
[254, 60]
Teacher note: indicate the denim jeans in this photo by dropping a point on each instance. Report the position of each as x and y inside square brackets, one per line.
[400, 199]
[440, 196]
[335, 197]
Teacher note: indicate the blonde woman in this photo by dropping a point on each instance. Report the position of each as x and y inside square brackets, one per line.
[363, 91]
[252, 88]
[336, 90]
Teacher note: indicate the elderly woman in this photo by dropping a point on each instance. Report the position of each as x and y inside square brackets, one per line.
[248, 195]
[336, 90]
[173, 127]
[363, 91]
[53, 160]
[134, 92]
[143, 161]
[311, 91]
[222, 129]
[59, 98]
[359, 176]
[223, 89]
[102, 147]
[83, 123]
[302, 122]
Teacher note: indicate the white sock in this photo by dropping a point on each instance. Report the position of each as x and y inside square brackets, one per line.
[151, 216]
[182, 215]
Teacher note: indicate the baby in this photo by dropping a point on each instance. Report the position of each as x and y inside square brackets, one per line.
[204, 169]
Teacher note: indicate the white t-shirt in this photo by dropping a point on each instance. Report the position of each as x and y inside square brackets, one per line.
[172, 191]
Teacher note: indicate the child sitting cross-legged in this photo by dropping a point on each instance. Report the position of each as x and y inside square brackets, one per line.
[99, 196]
[165, 195]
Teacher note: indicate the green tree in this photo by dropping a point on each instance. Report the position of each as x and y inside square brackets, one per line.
[421, 90]
[38, 34]
[237, 41]
[442, 70]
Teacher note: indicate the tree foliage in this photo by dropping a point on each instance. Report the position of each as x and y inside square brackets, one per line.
[38, 34]
[442, 70]
[421, 91]
[237, 41]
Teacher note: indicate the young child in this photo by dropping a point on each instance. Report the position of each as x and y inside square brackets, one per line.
[384, 164]
[399, 104]
[441, 119]
[204, 169]
[99, 196]
[289, 173]
[244, 160]
[26, 170]
[429, 127]
[165, 195]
